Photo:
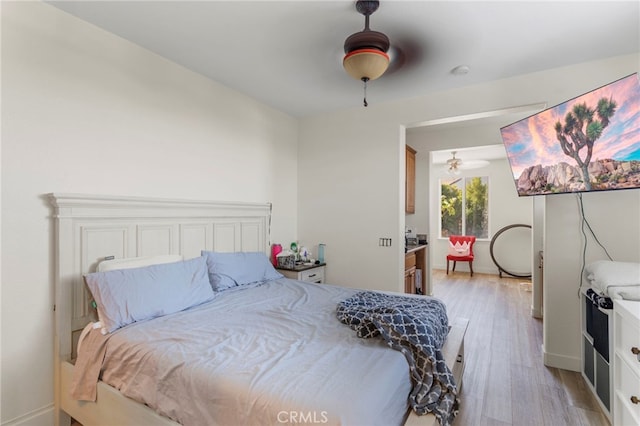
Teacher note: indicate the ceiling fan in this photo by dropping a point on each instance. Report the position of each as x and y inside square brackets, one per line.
[454, 165]
[367, 52]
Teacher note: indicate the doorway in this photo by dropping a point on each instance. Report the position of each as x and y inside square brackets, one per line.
[475, 140]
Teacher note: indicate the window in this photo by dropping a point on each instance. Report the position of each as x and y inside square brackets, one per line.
[464, 206]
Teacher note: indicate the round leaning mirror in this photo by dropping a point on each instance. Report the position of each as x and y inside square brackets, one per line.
[510, 250]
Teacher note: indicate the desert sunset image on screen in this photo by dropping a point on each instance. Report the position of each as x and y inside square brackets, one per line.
[588, 143]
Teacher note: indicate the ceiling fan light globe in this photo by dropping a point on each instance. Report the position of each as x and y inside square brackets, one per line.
[366, 63]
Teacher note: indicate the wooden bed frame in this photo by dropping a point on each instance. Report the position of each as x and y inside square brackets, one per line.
[89, 228]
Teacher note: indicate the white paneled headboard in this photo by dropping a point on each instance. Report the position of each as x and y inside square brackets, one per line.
[89, 228]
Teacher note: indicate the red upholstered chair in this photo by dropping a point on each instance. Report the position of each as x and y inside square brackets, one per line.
[458, 254]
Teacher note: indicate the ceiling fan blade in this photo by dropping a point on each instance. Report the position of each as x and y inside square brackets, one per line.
[473, 164]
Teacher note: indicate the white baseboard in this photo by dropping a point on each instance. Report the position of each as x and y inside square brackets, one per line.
[43, 416]
[463, 267]
[561, 361]
[536, 313]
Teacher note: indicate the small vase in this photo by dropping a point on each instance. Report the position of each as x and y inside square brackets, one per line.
[321, 252]
[275, 250]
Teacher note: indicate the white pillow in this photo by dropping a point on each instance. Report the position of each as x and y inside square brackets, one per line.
[137, 262]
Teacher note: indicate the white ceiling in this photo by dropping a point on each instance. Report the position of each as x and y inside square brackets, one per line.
[288, 54]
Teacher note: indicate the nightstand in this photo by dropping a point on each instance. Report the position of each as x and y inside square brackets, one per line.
[309, 273]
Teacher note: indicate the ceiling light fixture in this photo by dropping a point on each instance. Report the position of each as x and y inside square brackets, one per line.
[366, 51]
[453, 164]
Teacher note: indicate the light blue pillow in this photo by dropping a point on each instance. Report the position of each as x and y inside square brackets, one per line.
[124, 296]
[227, 270]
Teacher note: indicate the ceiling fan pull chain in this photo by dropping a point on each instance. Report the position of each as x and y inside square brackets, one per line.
[365, 79]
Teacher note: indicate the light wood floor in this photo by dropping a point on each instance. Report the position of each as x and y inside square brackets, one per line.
[505, 381]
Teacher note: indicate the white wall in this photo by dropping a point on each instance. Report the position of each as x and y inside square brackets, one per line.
[85, 111]
[537, 249]
[349, 196]
[0, 218]
[615, 220]
[353, 164]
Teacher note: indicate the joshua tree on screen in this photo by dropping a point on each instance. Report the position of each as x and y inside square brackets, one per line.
[580, 129]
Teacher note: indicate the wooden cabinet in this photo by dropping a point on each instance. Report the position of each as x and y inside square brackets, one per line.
[410, 280]
[416, 259]
[626, 362]
[309, 273]
[410, 273]
[410, 181]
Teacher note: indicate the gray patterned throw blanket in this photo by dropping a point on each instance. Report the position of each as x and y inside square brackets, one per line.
[417, 327]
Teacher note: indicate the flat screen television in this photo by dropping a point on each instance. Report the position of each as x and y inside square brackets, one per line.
[588, 143]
